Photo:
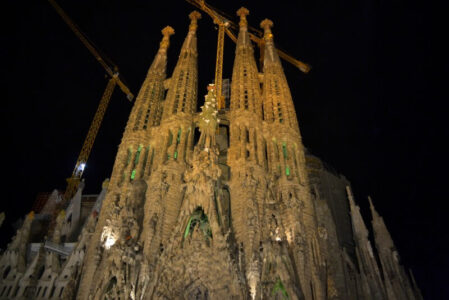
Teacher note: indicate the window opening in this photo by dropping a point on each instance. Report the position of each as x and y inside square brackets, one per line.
[145, 159]
[139, 150]
[279, 287]
[60, 292]
[128, 159]
[284, 150]
[198, 218]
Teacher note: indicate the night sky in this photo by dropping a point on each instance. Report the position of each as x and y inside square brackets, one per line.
[371, 107]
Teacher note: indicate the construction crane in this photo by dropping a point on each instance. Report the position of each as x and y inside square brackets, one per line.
[222, 24]
[115, 79]
[254, 34]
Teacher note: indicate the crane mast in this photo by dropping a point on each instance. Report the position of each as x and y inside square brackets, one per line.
[74, 180]
[112, 72]
[219, 64]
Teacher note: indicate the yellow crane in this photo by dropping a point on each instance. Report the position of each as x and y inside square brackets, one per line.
[222, 24]
[225, 25]
[112, 72]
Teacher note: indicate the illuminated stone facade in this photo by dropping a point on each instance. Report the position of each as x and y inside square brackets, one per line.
[216, 204]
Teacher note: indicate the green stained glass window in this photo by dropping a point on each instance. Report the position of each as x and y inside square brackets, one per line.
[186, 232]
[133, 174]
[284, 150]
[139, 150]
[279, 287]
[287, 171]
[145, 158]
[178, 138]
[175, 155]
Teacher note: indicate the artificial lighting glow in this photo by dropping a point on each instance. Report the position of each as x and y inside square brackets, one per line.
[108, 237]
[110, 241]
[252, 280]
[289, 237]
[82, 166]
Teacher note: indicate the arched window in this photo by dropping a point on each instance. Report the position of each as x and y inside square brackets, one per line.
[198, 218]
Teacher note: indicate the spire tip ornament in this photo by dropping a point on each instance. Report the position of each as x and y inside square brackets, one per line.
[194, 17]
[266, 25]
[242, 13]
[166, 32]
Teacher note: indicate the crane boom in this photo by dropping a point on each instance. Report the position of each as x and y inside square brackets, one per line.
[110, 71]
[255, 34]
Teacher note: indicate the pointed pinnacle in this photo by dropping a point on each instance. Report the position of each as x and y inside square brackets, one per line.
[30, 215]
[374, 213]
[370, 202]
[266, 25]
[350, 196]
[194, 16]
[167, 31]
[242, 13]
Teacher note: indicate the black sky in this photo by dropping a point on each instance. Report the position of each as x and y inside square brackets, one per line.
[372, 106]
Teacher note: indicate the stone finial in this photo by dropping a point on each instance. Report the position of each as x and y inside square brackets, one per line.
[370, 202]
[242, 13]
[350, 196]
[30, 215]
[194, 16]
[61, 214]
[374, 213]
[105, 183]
[266, 25]
[166, 32]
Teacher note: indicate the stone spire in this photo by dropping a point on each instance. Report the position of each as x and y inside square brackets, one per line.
[358, 225]
[183, 88]
[397, 283]
[147, 109]
[245, 153]
[245, 87]
[277, 99]
[381, 233]
[369, 270]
